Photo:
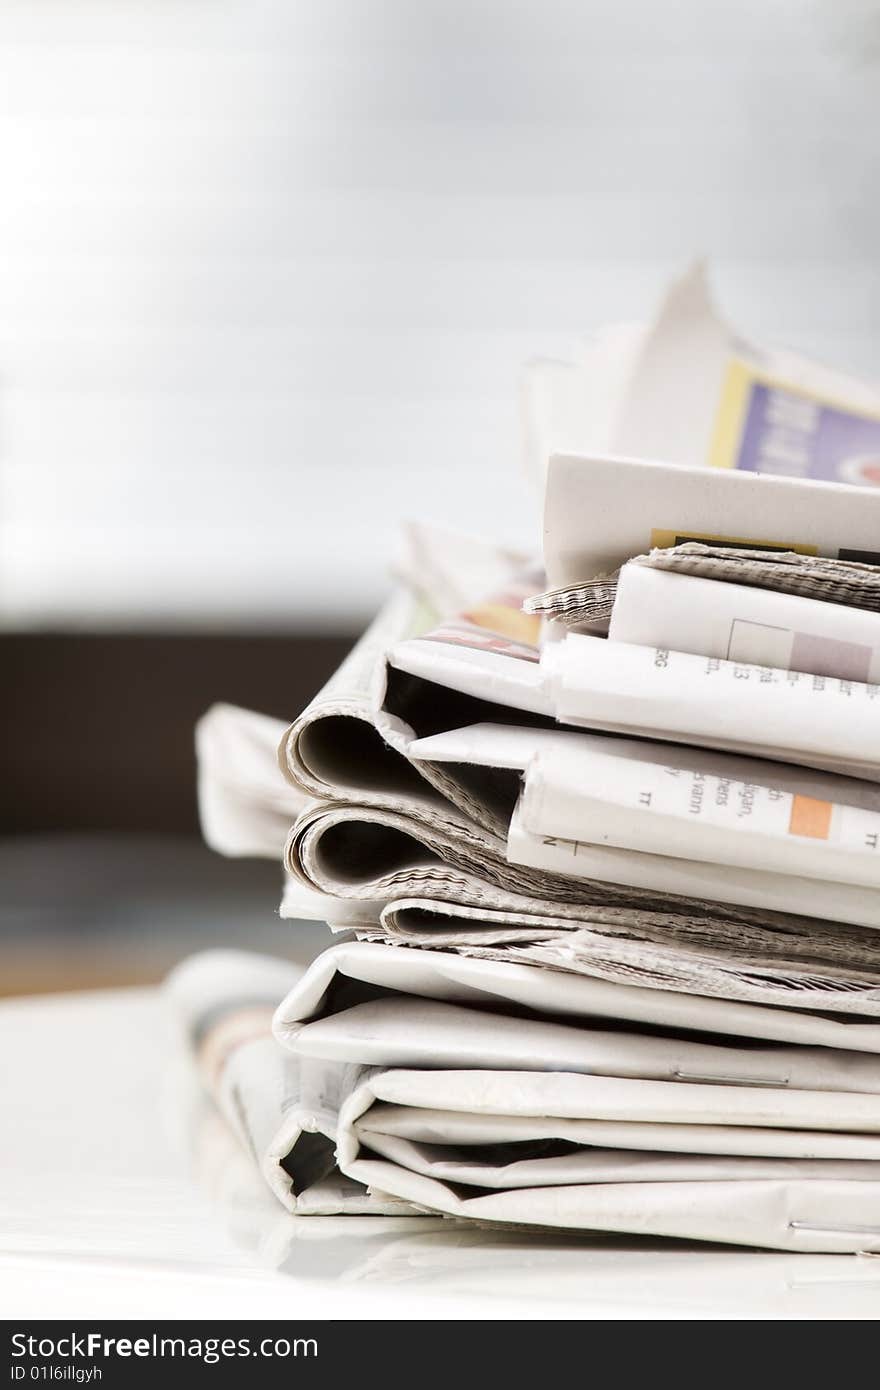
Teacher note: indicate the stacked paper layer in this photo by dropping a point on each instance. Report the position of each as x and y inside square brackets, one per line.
[604, 834]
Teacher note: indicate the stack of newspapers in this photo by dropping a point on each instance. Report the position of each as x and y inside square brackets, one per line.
[599, 831]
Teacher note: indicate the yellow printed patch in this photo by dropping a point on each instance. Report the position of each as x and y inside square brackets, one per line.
[509, 622]
[731, 417]
[663, 539]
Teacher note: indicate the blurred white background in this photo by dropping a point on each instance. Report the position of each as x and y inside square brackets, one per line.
[269, 268]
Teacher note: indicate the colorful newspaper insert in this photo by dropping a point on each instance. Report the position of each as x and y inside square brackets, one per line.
[699, 393]
[687, 388]
[490, 652]
[766, 425]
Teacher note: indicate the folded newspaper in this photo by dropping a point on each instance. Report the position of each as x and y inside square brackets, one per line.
[282, 1108]
[498, 1092]
[640, 591]
[407, 826]
[415, 1082]
[605, 829]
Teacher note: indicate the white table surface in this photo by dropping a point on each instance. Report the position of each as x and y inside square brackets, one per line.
[122, 1195]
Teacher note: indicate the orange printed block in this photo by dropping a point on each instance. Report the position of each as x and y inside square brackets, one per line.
[810, 817]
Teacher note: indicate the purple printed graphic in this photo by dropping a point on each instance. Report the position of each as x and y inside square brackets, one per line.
[789, 435]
